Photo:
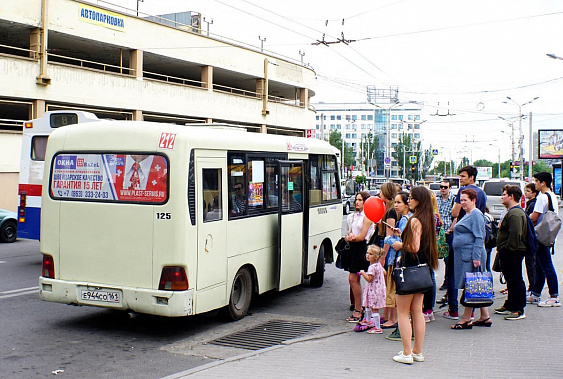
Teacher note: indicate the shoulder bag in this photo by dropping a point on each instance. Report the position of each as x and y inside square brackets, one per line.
[412, 279]
[549, 226]
[341, 248]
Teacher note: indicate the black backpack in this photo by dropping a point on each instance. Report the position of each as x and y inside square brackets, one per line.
[491, 230]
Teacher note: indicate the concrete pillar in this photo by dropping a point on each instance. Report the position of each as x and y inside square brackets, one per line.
[260, 83]
[34, 43]
[207, 77]
[136, 63]
[304, 97]
[138, 115]
[263, 129]
[38, 109]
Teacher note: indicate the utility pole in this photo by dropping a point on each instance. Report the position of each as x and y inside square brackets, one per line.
[208, 23]
[139, 1]
[530, 150]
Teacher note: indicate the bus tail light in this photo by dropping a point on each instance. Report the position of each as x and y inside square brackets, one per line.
[28, 125]
[23, 202]
[48, 267]
[173, 278]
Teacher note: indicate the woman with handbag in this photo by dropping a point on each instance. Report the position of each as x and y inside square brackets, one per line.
[469, 253]
[354, 261]
[418, 250]
[388, 195]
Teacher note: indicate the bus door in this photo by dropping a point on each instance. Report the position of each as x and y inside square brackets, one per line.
[211, 221]
[290, 224]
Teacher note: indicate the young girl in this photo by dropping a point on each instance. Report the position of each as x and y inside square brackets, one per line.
[374, 292]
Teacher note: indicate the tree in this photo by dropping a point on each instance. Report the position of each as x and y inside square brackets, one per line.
[368, 149]
[427, 161]
[406, 148]
[335, 139]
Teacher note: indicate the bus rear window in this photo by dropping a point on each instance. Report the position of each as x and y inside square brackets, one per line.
[38, 148]
[131, 178]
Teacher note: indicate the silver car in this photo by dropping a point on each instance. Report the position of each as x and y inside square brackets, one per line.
[8, 226]
[493, 190]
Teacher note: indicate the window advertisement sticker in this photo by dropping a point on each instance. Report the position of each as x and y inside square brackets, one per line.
[110, 177]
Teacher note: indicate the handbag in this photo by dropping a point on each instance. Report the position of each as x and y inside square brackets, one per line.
[496, 263]
[341, 248]
[478, 291]
[443, 248]
[412, 279]
[549, 226]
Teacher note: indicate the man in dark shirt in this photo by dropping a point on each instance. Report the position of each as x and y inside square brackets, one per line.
[511, 247]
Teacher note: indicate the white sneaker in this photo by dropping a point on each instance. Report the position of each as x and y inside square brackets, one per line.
[551, 302]
[531, 299]
[401, 358]
[418, 357]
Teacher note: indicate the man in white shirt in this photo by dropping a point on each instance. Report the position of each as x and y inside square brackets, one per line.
[544, 265]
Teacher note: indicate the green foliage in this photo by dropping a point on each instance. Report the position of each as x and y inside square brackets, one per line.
[360, 179]
[335, 139]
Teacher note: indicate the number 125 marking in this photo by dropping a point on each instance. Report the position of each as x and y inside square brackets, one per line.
[167, 140]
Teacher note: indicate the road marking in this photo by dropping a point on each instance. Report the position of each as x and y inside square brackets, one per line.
[2, 261]
[18, 292]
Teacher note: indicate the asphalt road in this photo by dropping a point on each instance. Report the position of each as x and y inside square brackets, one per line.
[37, 338]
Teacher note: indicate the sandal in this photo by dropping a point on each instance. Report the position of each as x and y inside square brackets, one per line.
[504, 291]
[362, 327]
[383, 326]
[355, 319]
[463, 325]
[375, 330]
[487, 323]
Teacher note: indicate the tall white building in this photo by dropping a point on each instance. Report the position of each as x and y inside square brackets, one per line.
[355, 122]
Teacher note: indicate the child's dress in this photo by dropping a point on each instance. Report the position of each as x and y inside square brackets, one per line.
[374, 292]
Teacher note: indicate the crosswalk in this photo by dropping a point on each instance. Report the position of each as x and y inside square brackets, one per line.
[19, 292]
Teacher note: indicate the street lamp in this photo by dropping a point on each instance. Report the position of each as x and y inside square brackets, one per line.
[139, 1]
[511, 123]
[521, 140]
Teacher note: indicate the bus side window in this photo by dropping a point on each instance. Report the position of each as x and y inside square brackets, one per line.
[272, 183]
[315, 196]
[256, 181]
[38, 148]
[213, 208]
[237, 185]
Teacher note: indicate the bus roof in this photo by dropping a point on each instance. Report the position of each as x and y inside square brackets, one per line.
[110, 135]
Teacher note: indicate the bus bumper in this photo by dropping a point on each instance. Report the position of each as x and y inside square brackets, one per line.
[140, 300]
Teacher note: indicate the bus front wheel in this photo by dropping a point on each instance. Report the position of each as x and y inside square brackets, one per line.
[318, 276]
[241, 295]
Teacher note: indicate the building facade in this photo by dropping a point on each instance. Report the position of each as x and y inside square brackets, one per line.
[61, 54]
[363, 125]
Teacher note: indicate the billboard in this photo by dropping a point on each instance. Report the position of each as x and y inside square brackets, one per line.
[550, 144]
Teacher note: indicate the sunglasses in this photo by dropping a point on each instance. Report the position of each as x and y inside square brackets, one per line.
[444, 187]
[238, 188]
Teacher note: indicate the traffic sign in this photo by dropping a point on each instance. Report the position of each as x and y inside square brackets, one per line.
[387, 160]
[412, 159]
[434, 152]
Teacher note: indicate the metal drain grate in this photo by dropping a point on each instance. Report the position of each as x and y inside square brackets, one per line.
[266, 335]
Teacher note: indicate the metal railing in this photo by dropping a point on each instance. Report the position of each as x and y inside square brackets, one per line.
[106, 67]
[173, 79]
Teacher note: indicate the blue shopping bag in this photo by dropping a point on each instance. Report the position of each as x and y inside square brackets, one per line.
[478, 290]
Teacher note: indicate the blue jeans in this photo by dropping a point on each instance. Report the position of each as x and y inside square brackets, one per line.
[430, 296]
[545, 271]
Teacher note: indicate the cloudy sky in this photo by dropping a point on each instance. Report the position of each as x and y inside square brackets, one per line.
[468, 54]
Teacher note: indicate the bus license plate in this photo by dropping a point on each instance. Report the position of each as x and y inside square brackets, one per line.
[103, 296]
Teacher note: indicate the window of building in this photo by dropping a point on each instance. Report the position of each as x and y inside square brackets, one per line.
[363, 117]
[416, 135]
[354, 117]
[363, 126]
[332, 127]
[317, 117]
[339, 117]
[410, 126]
[417, 126]
[401, 117]
[393, 126]
[348, 126]
[370, 117]
[347, 134]
[393, 144]
[393, 135]
[394, 163]
[410, 117]
[354, 135]
[417, 117]
[338, 126]
[318, 126]
[393, 117]
[332, 117]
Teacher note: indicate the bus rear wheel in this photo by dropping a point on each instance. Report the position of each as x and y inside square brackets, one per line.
[317, 278]
[241, 295]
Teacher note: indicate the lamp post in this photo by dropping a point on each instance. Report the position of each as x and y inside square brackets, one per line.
[521, 139]
[511, 123]
[139, 1]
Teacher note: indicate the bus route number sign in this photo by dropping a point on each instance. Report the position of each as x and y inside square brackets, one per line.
[167, 140]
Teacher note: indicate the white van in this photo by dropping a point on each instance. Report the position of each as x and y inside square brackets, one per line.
[493, 190]
[177, 220]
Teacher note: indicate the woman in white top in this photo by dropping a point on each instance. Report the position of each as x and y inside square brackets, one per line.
[360, 230]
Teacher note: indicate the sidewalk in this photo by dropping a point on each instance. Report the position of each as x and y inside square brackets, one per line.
[529, 348]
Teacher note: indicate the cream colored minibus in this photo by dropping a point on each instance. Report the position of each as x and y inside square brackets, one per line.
[178, 220]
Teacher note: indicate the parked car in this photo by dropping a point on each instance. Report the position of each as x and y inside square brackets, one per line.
[8, 226]
[348, 193]
[493, 190]
[434, 187]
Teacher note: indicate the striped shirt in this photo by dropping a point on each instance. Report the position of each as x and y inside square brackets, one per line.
[445, 209]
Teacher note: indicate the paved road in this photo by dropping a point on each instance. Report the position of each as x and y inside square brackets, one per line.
[529, 348]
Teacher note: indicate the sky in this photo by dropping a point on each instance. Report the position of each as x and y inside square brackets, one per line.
[458, 57]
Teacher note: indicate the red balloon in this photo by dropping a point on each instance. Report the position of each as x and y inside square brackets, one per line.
[374, 208]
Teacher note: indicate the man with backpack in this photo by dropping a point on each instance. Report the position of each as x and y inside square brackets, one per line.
[546, 201]
[511, 245]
